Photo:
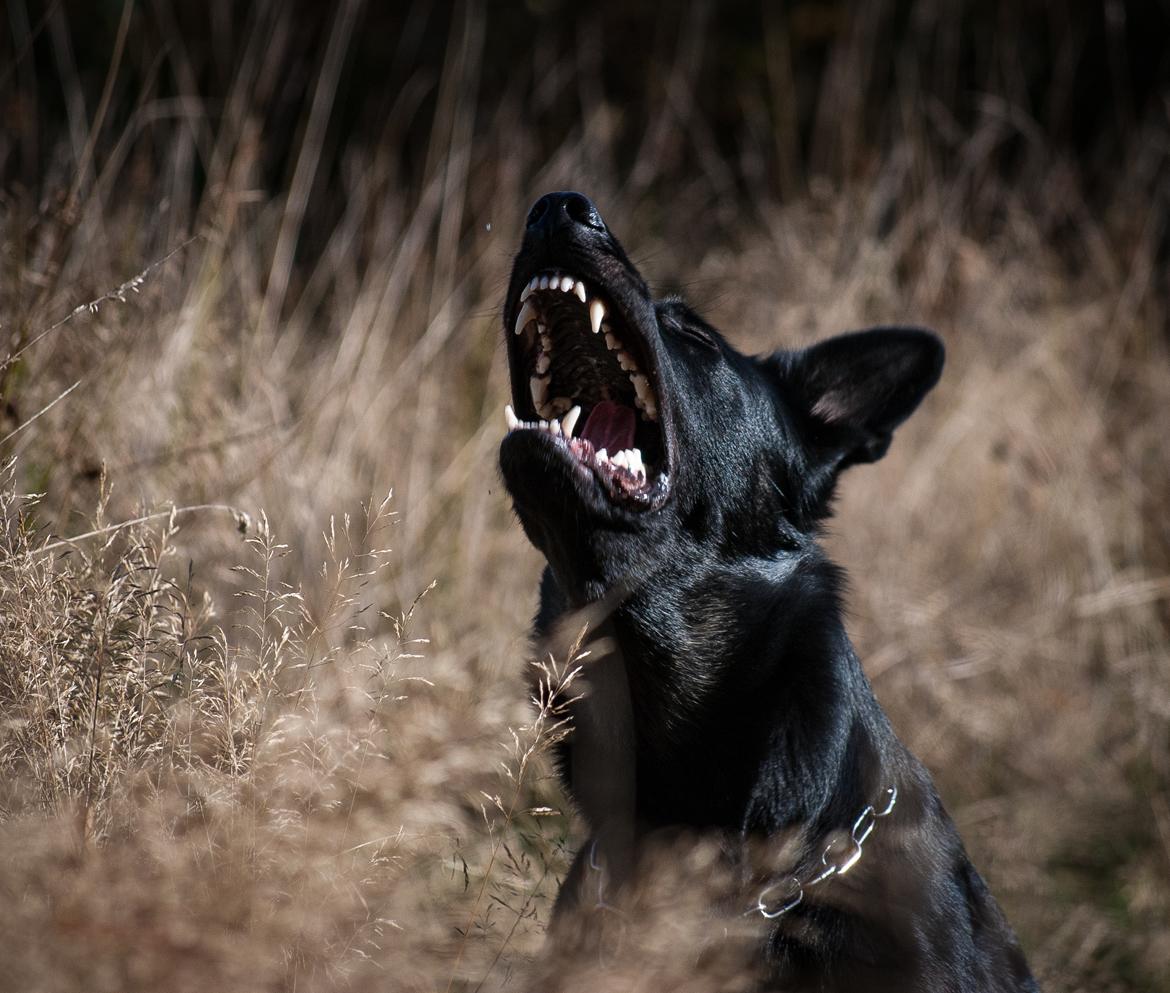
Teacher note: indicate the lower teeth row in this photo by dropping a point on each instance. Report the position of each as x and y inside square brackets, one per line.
[629, 459]
[558, 428]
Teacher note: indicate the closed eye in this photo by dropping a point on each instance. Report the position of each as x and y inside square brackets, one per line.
[695, 334]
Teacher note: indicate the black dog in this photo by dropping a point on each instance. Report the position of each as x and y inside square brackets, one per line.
[681, 485]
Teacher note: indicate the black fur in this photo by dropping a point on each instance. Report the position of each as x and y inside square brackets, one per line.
[734, 702]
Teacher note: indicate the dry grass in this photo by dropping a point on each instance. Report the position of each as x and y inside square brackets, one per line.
[261, 761]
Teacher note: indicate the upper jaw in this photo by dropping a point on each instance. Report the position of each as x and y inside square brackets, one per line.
[586, 363]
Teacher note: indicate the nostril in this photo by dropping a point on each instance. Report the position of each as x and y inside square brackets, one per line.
[579, 209]
[536, 214]
[555, 211]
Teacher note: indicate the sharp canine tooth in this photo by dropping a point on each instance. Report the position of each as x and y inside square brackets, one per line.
[579, 289]
[569, 421]
[510, 417]
[527, 313]
[596, 314]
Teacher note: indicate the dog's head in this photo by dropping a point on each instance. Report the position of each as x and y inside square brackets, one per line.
[636, 432]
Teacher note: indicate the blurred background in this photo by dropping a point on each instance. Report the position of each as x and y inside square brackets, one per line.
[276, 734]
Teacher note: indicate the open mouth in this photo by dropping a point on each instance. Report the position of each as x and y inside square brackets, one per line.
[592, 387]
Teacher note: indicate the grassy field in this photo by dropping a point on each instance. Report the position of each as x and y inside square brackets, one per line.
[275, 732]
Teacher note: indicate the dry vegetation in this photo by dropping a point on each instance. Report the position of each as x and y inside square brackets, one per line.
[277, 734]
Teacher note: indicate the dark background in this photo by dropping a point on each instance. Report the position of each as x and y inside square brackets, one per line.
[779, 94]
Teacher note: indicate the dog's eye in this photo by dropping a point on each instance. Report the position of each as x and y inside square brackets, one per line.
[695, 335]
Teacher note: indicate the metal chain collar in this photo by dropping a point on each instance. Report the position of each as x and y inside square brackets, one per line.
[778, 898]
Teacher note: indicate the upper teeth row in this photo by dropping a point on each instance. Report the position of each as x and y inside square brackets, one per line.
[566, 284]
[551, 281]
[643, 393]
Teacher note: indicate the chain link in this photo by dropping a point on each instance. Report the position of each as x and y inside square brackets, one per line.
[778, 898]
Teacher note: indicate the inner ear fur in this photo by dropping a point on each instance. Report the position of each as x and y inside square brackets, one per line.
[853, 390]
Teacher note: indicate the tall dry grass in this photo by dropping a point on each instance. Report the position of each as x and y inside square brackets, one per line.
[241, 749]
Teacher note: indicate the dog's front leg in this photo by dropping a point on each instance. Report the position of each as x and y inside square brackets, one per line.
[602, 774]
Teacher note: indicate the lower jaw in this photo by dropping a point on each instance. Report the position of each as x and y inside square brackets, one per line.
[534, 483]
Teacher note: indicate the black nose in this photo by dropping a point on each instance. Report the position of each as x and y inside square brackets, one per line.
[555, 211]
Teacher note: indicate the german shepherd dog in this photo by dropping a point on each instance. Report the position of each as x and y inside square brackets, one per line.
[682, 485]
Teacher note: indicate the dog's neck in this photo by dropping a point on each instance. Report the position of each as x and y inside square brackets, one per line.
[777, 719]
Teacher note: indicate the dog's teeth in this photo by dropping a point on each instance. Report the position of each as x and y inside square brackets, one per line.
[621, 459]
[543, 284]
[602, 455]
[596, 314]
[539, 387]
[527, 313]
[545, 339]
[554, 428]
[626, 361]
[579, 289]
[569, 421]
[644, 398]
[611, 341]
[510, 417]
[642, 388]
[636, 465]
[566, 284]
[542, 363]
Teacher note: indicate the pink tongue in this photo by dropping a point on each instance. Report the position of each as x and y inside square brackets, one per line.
[610, 426]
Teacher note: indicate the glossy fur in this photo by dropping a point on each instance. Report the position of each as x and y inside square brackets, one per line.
[734, 702]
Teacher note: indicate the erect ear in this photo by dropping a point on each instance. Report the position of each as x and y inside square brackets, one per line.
[853, 390]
